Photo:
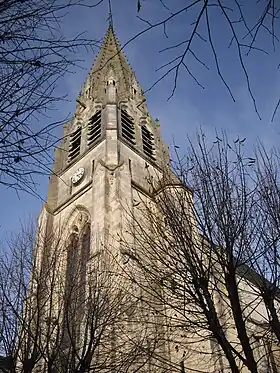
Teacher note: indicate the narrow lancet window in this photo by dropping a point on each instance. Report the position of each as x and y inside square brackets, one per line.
[148, 143]
[128, 131]
[94, 128]
[75, 144]
[71, 290]
[85, 253]
[72, 260]
[85, 245]
[75, 297]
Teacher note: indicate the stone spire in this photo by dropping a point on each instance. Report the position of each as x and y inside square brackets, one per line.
[111, 65]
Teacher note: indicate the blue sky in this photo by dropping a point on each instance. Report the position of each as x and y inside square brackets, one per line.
[191, 107]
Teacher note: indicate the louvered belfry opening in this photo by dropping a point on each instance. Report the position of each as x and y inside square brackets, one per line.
[94, 128]
[148, 143]
[127, 124]
[75, 144]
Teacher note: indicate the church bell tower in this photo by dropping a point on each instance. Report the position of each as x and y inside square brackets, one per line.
[109, 152]
[106, 151]
[85, 309]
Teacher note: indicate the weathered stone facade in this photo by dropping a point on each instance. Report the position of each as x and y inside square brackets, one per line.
[109, 151]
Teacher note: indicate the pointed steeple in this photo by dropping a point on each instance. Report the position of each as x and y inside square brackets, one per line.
[110, 64]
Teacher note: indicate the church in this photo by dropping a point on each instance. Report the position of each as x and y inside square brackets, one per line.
[94, 314]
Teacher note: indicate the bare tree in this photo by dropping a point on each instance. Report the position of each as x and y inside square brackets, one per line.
[64, 312]
[247, 29]
[34, 56]
[263, 255]
[206, 242]
[29, 304]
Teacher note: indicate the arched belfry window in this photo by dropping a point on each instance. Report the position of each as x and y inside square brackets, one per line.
[94, 128]
[127, 126]
[75, 144]
[148, 143]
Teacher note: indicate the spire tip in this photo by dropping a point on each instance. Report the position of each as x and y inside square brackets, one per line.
[110, 18]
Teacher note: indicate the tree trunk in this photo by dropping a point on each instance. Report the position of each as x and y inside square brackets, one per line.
[274, 320]
[239, 321]
[217, 330]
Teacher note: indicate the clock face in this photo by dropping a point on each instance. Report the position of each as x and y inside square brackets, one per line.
[78, 175]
